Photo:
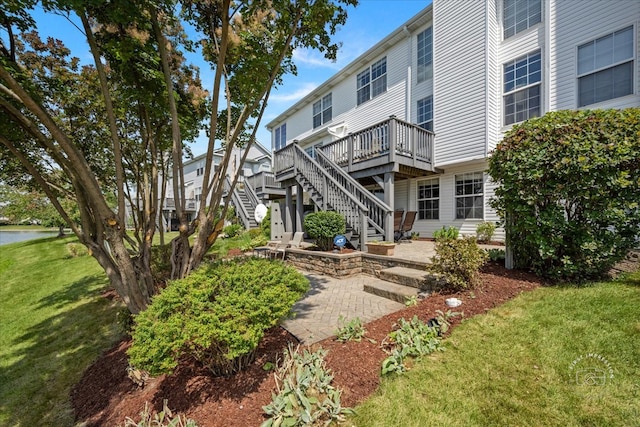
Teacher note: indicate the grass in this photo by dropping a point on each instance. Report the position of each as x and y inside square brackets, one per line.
[526, 363]
[53, 324]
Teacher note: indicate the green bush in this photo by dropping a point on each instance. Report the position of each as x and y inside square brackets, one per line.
[496, 254]
[569, 191]
[446, 233]
[459, 261]
[305, 394]
[265, 225]
[350, 331]
[233, 230]
[323, 226]
[485, 231]
[217, 315]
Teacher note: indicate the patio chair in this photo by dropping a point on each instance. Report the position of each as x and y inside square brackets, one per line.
[280, 248]
[397, 224]
[272, 245]
[407, 224]
[286, 238]
[298, 241]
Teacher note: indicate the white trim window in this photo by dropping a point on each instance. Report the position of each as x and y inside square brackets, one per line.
[605, 67]
[522, 78]
[518, 15]
[200, 171]
[470, 196]
[429, 199]
[280, 139]
[322, 111]
[425, 113]
[372, 81]
[425, 55]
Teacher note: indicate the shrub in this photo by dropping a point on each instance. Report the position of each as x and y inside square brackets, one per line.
[446, 233]
[459, 261]
[496, 254]
[323, 226]
[485, 231]
[265, 225]
[410, 339]
[350, 331]
[77, 250]
[233, 230]
[306, 396]
[217, 315]
[569, 191]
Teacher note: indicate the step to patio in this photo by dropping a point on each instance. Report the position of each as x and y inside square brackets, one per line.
[410, 277]
[392, 291]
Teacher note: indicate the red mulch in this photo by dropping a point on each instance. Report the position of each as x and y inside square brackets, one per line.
[105, 395]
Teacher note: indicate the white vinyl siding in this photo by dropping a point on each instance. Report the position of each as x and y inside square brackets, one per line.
[429, 199]
[425, 55]
[469, 194]
[605, 67]
[518, 15]
[280, 139]
[322, 111]
[522, 78]
[425, 113]
[459, 80]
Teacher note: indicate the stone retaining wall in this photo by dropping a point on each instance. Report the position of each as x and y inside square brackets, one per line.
[345, 265]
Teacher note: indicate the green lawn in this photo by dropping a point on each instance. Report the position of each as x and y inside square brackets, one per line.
[527, 363]
[53, 324]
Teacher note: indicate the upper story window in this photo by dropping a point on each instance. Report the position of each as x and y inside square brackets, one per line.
[425, 113]
[281, 137]
[518, 15]
[425, 55]
[322, 111]
[429, 199]
[372, 81]
[522, 78]
[200, 171]
[469, 195]
[605, 67]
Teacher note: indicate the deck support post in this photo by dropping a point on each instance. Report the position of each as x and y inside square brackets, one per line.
[299, 207]
[389, 197]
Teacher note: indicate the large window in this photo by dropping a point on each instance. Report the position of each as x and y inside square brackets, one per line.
[518, 15]
[605, 68]
[281, 137]
[425, 55]
[425, 113]
[372, 81]
[522, 78]
[469, 195]
[429, 199]
[322, 111]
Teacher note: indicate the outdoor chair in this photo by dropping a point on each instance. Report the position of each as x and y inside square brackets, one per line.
[278, 249]
[397, 224]
[271, 245]
[407, 224]
[298, 241]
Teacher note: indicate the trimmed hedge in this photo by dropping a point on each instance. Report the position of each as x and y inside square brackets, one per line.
[323, 226]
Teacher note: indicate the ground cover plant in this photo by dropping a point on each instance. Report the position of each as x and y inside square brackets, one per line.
[54, 321]
[569, 191]
[217, 316]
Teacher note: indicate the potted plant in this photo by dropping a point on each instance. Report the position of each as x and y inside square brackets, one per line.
[381, 248]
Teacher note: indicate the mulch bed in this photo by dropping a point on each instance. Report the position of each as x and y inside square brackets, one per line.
[105, 395]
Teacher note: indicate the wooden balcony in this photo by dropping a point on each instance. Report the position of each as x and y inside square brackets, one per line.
[389, 146]
[265, 186]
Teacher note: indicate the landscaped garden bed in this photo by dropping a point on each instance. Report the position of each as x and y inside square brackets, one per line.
[105, 395]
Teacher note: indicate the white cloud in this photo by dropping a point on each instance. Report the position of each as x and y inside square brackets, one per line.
[281, 96]
[313, 58]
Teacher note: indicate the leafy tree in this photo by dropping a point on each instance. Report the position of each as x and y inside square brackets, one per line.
[569, 192]
[107, 135]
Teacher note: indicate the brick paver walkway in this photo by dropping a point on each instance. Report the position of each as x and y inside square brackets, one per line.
[318, 312]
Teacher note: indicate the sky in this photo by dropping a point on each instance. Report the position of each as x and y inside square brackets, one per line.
[366, 25]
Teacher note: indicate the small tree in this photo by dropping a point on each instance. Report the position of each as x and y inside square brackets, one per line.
[569, 191]
[323, 226]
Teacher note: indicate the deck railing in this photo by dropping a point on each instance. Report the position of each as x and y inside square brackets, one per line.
[262, 181]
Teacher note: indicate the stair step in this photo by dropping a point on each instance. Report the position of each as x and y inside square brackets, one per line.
[411, 277]
[389, 290]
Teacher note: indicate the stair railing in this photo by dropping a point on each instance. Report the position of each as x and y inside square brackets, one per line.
[251, 194]
[327, 192]
[240, 209]
[380, 214]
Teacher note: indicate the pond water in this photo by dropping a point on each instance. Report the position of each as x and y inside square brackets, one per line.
[7, 237]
